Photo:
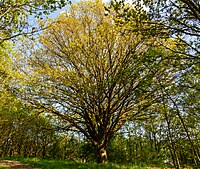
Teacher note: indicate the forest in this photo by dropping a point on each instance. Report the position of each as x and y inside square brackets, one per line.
[105, 82]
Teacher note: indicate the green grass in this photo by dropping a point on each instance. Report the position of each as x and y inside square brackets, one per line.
[58, 164]
[2, 167]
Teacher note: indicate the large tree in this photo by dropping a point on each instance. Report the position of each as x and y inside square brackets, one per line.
[93, 74]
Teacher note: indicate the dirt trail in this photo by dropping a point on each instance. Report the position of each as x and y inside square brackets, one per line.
[14, 164]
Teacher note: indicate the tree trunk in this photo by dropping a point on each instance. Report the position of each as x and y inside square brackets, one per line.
[173, 147]
[43, 151]
[102, 155]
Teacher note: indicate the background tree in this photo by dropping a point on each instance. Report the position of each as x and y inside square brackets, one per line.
[22, 131]
[181, 18]
[15, 15]
[93, 74]
[178, 19]
[5, 62]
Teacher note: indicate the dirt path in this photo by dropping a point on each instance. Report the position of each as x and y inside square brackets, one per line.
[14, 164]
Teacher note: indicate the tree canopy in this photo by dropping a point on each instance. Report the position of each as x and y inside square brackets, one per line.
[94, 74]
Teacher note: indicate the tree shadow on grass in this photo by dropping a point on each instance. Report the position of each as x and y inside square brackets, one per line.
[56, 164]
[49, 164]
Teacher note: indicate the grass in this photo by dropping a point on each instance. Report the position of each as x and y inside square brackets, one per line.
[58, 164]
[2, 166]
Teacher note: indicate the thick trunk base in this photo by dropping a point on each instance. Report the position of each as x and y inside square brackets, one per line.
[102, 156]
